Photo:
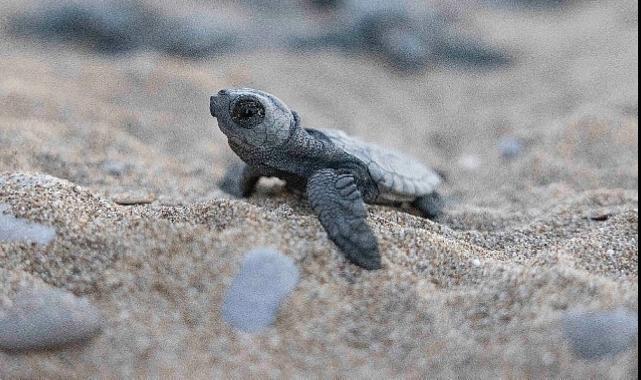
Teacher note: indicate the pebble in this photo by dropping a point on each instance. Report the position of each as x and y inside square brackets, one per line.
[598, 334]
[510, 147]
[44, 319]
[469, 162]
[134, 198]
[599, 216]
[252, 301]
[115, 168]
[13, 229]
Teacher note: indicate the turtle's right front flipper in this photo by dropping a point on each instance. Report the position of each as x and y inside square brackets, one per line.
[340, 208]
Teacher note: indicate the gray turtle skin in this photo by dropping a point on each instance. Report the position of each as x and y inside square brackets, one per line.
[338, 173]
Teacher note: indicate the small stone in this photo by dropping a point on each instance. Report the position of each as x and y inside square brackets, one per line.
[476, 262]
[13, 229]
[255, 295]
[469, 162]
[510, 147]
[594, 335]
[134, 198]
[600, 216]
[114, 168]
[43, 319]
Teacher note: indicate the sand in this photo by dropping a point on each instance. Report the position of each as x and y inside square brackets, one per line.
[480, 293]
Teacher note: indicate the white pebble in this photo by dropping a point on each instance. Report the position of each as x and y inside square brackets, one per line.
[469, 162]
[13, 229]
[256, 293]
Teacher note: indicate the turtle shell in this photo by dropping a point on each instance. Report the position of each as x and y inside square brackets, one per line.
[399, 177]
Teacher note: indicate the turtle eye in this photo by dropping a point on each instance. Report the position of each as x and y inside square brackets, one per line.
[248, 112]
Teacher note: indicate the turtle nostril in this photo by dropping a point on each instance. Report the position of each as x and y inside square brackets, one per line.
[222, 92]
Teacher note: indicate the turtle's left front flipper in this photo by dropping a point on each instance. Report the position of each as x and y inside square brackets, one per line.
[239, 180]
[340, 208]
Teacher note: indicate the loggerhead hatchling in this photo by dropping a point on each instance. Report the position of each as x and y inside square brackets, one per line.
[409, 35]
[338, 173]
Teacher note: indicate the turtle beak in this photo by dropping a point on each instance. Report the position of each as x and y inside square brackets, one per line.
[212, 106]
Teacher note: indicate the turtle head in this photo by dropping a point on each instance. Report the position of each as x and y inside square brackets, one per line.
[252, 118]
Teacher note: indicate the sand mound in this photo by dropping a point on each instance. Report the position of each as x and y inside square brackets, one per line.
[159, 274]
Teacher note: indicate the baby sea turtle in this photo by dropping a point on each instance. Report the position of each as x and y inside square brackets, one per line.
[118, 26]
[409, 35]
[338, 173]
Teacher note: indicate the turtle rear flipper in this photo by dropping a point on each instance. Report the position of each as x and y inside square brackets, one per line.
[341, 210]
[430, 205]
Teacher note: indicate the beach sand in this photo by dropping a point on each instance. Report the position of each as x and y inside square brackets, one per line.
[478, 294]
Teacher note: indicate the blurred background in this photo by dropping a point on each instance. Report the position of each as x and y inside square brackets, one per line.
[529, 108]
[500, 95]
